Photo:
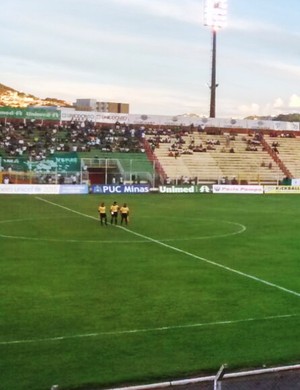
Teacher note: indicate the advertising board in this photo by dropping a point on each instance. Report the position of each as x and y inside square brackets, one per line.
[237, 189]
[39, 189]
[73, 189]
[192, 189]
[36, 189]
[30, 113]
[120, 189]
[282, 189]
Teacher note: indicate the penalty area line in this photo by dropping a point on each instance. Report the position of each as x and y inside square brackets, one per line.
[233, 270]
[147, 330]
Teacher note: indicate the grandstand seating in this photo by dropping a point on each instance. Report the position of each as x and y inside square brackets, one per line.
[289, 152]
[192, 155]
[254, 166]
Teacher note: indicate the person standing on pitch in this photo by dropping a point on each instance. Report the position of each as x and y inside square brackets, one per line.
[124, 210]
[114, 209]
[102, 213]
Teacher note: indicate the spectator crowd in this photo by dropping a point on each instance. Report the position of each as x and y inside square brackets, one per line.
[40, 141]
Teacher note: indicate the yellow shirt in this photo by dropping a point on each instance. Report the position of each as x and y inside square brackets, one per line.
[114, 208]
[124, 210]
[102, 209]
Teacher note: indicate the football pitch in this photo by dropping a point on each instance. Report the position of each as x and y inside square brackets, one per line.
[193, 282]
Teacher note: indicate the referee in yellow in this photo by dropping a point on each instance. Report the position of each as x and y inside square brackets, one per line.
[102, 213]
[114, 209]
[124, 210]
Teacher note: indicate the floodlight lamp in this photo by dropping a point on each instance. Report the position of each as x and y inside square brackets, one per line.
[215, 12]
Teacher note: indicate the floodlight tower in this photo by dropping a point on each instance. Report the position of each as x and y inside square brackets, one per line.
[214, 17]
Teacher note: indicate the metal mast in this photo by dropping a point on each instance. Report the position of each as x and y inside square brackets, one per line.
[214, 17]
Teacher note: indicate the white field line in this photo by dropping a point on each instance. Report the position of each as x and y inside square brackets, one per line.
[242, 229]
[158, 329]
[147, 330]
[185, 252]
[215, 263]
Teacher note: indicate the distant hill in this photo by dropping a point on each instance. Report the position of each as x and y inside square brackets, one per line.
[10, 97]
[4, 89]
[293, 117]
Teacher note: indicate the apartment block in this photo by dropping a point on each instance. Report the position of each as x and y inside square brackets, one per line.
[93, 105]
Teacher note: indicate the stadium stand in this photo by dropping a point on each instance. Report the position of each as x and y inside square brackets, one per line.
[218, 157]
[178, 155]
[288, 151]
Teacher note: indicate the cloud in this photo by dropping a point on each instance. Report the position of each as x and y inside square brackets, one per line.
[294, 101]
[187, 11]
[287, 68]
[278, 103]
[278, 106]
[246, 110]
[244, 25]
[284, 106]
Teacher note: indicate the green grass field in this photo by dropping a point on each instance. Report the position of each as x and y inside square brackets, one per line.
[195, 281]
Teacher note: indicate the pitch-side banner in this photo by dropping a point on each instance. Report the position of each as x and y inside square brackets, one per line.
[36, 189]
[39, 189]
[295, 182]
[192, 189]
[282, 189]
[120, 189]
[237, 189]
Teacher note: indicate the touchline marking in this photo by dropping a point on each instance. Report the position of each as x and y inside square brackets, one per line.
[147, 330]
[184, 252]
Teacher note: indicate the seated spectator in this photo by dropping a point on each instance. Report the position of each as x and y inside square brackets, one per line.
[210, 147]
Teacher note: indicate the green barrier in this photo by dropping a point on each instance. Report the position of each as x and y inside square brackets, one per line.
[32, 113]
[58, 162]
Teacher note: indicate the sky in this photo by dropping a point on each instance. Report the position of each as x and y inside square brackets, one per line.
[154, 55]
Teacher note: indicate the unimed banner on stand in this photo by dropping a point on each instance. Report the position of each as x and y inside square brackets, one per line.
[30, 113]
